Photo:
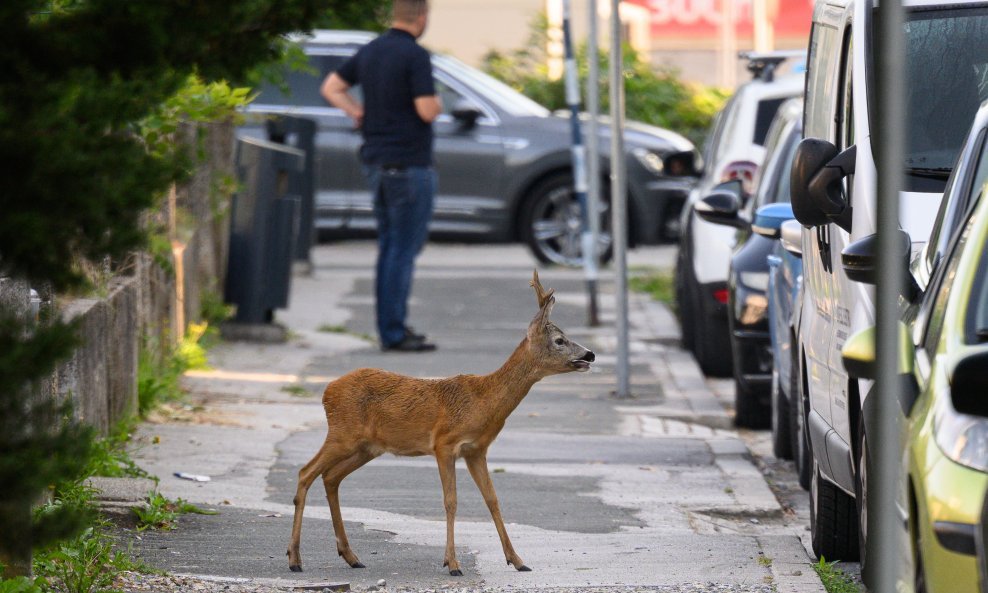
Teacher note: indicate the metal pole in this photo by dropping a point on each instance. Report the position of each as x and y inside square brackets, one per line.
[884, 528]
[619, 196]
[579, 156]
[593, 161]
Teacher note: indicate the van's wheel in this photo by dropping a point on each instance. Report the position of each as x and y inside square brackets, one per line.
[833, 520]
[861, 496]
[781, 420]
[801, 452]
[552, 224]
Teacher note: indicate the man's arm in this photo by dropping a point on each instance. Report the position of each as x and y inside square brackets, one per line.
[428, 107]
[334, 90]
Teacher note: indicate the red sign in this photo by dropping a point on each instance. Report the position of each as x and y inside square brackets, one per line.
[700, 20]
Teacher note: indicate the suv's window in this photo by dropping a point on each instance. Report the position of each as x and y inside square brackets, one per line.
[976, 331]
[945, 277]
[490, 88]
[301, 86]
[953, 207]
[767, 108]
[947, 60]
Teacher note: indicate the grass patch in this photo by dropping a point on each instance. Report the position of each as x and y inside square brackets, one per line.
[327, 328]
[296, 390]
[764, 561]
[162, 513]
[834, 579]
[111, 459]
[656, 283]
[158, 373]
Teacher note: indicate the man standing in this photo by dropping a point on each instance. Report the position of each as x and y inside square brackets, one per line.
[399, 105]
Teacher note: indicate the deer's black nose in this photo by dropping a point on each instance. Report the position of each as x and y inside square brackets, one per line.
[589, 357]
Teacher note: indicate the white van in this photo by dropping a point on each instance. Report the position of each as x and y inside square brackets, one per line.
[833, 195]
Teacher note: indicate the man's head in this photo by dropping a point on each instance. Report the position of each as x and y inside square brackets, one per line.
[411, 15]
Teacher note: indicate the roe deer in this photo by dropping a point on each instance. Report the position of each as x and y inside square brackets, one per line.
[371, 412]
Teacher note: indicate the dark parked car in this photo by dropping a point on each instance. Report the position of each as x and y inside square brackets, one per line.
[504, 161]
[747, 280]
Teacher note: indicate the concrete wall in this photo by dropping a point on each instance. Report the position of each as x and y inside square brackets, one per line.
[146, 307]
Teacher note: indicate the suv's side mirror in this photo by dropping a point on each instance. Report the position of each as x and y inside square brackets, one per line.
[860, 261]
[721, 206]
[817, 170]
[466, 112]
[769, 218]
[791, 235]
[969, 383]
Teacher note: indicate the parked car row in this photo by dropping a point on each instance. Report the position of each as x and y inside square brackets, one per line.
[503, 160]
[812, 381]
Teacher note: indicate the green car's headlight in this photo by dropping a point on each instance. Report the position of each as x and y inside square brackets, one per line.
[962, 438]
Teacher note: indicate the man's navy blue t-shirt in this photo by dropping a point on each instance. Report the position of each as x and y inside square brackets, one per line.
[393, 71]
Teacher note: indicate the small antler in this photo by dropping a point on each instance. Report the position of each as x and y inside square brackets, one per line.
[542, 294]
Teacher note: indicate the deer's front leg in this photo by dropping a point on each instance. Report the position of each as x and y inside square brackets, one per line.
[447, 474]
[477, 464]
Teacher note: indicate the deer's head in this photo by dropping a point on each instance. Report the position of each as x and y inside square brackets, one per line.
[553, 351]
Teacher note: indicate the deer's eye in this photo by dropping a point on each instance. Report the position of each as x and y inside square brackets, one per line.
[560, 341]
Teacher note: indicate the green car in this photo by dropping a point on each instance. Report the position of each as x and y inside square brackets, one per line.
[944, 397]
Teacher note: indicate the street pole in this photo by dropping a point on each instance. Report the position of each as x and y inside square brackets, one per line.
[884, 527]
[593, 162]
[619, 196]
[579, 158]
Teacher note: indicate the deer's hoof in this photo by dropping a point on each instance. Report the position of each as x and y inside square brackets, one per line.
[295, 567]
[357, 565]
[456, 573]
[524, 568]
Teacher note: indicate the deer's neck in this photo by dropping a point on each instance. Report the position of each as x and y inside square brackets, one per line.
[508, 385]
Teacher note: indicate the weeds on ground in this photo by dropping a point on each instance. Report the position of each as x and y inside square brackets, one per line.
[332, 329]
[296, 390]
[111, 459]
[19, 584]
[834, 579]
[656, 283]
[158, 373]
[162, 513]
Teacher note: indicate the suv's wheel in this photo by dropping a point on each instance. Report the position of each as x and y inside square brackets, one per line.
[861, 495]
[552, 223]
[711, 340]
[833, 520]
[684, 303]
[781, 420]
[801, 452]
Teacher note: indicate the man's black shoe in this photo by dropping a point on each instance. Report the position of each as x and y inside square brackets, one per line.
[409, 344]
[411, 333]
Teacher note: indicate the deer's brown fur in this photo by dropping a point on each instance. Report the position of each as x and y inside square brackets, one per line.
[371, 412]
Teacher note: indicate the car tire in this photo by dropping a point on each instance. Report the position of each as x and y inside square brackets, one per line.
[833, 520]
[781, 420]
[711, 341]
[801, 452]
[550, 223]
[919, 577]
[684, 305]
[861, 497]
[749, 411]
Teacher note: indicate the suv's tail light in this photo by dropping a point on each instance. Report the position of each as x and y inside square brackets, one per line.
[721, 295]
[743, 171]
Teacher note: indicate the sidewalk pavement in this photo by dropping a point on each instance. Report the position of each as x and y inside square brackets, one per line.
[655, 492]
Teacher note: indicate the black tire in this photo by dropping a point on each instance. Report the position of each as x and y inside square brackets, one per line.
[749, 411]
[545, 219]
[684, 304]
[711, 341]
[833, 520]
[919, 578]
[861, 498]
[781, 420]
[801, 452]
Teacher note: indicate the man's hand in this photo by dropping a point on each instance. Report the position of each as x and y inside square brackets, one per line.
[334, 90]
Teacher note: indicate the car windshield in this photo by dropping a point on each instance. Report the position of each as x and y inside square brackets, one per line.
[947, 64]
[502, 95]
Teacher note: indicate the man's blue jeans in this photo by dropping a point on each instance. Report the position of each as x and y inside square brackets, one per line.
[403, 208]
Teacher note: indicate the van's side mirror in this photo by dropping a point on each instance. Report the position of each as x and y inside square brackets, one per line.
[860, 262]
[721, 207]
[769, 218]
[969, 384]
[466, 112]
[817, 196]
[791, 236]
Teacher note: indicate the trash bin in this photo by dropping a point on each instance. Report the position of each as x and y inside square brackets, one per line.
[263, 230]
[299, 132]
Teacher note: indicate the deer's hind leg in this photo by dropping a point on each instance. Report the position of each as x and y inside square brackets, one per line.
[327, 457]
[331, 480]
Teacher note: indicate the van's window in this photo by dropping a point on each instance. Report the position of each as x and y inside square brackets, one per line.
[820, 82]
[946, 66]
[767, 109]
[301, 88]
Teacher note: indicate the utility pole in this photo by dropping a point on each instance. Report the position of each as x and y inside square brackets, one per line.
[619, 197]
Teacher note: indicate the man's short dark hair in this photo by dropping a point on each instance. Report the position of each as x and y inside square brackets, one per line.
[408, 10]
